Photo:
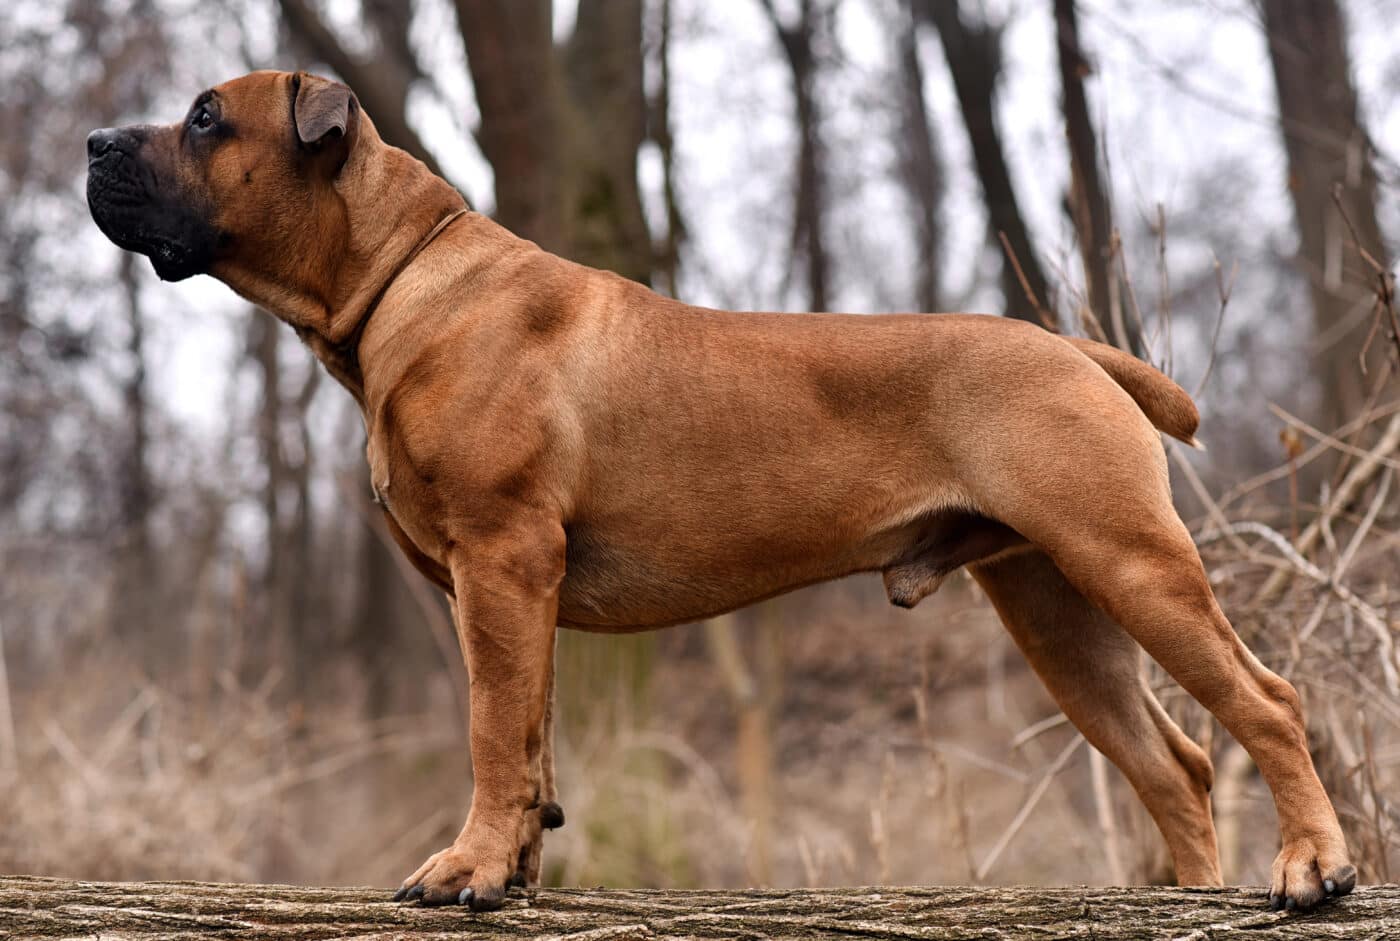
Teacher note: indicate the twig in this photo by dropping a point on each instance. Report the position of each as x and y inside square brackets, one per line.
[1224, 289]
[1349, 553]
[1385, 283]
[1356, 478]
[1164, 297]
[1377, 795]
[9, 752]
[1108, 819]
[1369, 615]
[63, 745]
[1046, 319]
[1037, 729]
[1024, 813]
[1307, 457]
[1329, 440]
[1213, 511]
[1147, 351]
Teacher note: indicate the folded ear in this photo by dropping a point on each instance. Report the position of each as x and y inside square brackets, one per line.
[322, 109]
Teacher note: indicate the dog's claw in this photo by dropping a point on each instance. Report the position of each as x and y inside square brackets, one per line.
[516, 880]
[465, 896]
[1291, 904]
[1342, 882]
[551, 815]
[487, 900]
[1275, 901]
[398, 896]
[415, 893]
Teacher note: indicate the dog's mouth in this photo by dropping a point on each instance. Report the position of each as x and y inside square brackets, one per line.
[122, 197]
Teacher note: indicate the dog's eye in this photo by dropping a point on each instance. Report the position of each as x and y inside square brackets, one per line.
[202, 119]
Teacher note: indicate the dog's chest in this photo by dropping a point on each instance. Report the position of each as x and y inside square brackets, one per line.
[404, 489]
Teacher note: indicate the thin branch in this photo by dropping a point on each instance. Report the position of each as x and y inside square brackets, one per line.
[1028, 807]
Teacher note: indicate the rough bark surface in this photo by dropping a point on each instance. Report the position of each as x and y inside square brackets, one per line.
[973, 51]
[32, 907]
[1328, 152]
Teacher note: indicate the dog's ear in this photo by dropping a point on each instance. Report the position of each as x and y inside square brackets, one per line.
[324, 112]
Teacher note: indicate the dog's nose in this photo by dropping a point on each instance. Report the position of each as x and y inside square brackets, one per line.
[101, 141]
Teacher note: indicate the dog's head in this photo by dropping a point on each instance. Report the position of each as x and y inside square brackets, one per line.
[235, 186]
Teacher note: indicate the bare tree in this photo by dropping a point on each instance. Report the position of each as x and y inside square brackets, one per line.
[382, 84]
[801, 41]
[133, 613]
[973, 52]
[920, 168]
[1089, 204]
[660, 130]
[1328, 151]
[561, 126]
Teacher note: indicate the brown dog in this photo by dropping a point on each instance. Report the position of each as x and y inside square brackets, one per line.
[557, 445]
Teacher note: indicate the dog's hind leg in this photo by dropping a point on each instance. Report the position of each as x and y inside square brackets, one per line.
[1141, 567]
[1091, 668]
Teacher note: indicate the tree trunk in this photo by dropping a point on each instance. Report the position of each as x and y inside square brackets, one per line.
[32, 907]
[798, 42]
[510, 50]
[134, 612]
[1089, 204]
[607, 112]
[974, 59]
[660, 131]
[381, 84]
[1328, 148]
[920, 168]
[753, 678]
[561, 128]
[375, 618]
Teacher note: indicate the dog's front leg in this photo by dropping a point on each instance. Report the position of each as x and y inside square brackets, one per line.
[506, 587]
[548, 815]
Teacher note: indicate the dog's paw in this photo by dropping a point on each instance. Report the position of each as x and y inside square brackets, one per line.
[1309, 871]
[458, 876]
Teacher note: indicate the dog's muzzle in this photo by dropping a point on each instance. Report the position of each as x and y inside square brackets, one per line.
[133, 209]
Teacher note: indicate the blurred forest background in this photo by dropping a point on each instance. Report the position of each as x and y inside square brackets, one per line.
[213, 666]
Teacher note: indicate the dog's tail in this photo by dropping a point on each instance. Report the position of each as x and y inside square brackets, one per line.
[1166, 404]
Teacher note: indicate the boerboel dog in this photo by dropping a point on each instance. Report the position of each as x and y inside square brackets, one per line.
[555, 445]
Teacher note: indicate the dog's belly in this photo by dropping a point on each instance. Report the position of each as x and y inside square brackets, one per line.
[619, 585]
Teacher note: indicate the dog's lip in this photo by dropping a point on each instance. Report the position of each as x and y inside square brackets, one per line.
[115, 202]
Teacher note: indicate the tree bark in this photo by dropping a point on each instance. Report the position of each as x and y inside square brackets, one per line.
[561, 127]
[660, 131]
[799, 42]
[510, 51]
[603, 66]
[1327, 147]
[134, 613]
[1089, 204]
[974, 59]
[33, 907]
[382, 85]
[920, 168]
[376, 613]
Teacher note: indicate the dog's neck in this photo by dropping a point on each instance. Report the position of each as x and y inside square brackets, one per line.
[332, 290]
[342, 357]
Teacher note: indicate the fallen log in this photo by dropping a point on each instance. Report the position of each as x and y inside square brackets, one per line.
[34, 907]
